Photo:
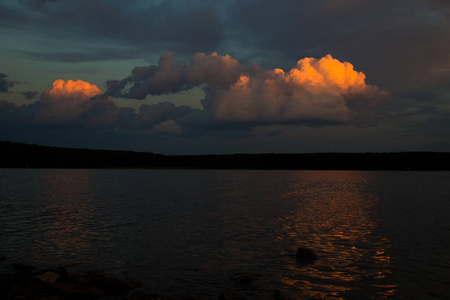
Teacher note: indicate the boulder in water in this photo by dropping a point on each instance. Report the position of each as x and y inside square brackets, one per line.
[305, 255]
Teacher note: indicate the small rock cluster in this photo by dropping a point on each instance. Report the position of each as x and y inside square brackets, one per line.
[57, 284]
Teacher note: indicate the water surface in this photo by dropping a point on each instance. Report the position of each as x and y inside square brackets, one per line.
[201, 232]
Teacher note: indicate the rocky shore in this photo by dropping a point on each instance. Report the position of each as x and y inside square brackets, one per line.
[27, 282]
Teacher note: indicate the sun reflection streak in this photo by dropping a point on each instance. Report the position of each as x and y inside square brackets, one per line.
[67, 218]
[335, 216]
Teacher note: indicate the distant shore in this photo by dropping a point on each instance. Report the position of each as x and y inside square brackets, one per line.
[18, 155]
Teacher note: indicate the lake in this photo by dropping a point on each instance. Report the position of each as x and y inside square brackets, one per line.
[198, 233]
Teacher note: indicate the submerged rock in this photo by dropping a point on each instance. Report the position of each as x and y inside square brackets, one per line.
[305, 255]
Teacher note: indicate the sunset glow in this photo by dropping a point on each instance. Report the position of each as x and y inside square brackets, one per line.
[328, 73]
[78, 87]
[250, 149]
[69, 101]
[302, 75]
[315, 89]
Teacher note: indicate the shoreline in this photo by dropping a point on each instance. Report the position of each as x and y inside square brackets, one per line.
[29, 282]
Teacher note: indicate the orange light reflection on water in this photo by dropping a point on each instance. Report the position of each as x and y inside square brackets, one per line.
[67, 215]
[335, 217]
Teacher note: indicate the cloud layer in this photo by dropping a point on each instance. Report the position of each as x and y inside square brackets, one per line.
[402, 46]
[81, 104]
[314, 90]
[321, 91]
[170, 77]
[318, 90]
[73, 102]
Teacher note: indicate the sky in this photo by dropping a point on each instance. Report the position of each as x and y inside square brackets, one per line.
[231, 76]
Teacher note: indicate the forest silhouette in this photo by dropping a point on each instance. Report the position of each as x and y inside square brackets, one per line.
[19, 155]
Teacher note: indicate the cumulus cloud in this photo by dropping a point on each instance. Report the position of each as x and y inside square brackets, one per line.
[68, 101]
[170, 77]
[5, 84]
[156, 80]
[151, 115]
[314, 90]
[324, 90]
[11, 114]
[82, 104]
[418, 51]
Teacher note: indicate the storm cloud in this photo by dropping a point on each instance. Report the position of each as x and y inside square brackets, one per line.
[170, 77]
[323, 89]
[407, 37]
[78, 103]
[237, 70]
[150, 25]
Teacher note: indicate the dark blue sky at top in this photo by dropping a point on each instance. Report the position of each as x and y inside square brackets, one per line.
[171, 75]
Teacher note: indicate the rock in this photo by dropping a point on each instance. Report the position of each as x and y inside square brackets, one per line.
[49, 276]
[305, 255]
[58, 284]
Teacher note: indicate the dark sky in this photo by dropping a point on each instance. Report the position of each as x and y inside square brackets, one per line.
[194, 77]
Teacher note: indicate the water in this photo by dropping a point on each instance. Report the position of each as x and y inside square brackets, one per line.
[198, 233]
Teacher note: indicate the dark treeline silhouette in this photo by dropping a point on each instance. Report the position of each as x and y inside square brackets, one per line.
[18, 155]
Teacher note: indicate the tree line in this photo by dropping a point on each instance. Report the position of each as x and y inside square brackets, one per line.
[19, 155]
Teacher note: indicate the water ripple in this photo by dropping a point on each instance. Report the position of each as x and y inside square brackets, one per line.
[204, 232]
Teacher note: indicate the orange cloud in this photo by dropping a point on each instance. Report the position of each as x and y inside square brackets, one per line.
[314, 89]
[83, 104]
[68, 100]
[323, 90]
[78, 89]
[329, 74]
